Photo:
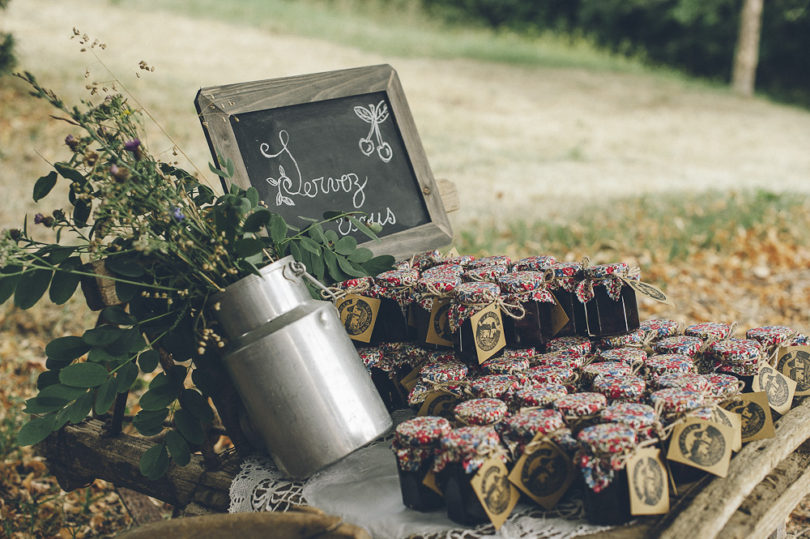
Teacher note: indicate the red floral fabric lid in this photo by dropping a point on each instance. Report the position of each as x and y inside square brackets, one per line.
[799, 340]
[546, 374]
[495, 386]
[580, 404]
[567, 275]
[630, 356]
[738, 356]
[527, 424]
[519, 352]
[443, 371]
[497, 260]
[623, 388]
[468, 299]
[609, 368]
[771, 336]
[635, 415]
[709, 331]
[607, 438]
[397, 278]
[359, 285]
[667, 363]
[534, 263]
[426, 260]
[675, 400]
[689, 381]
[461, 260]
[404, 353]
[659, 329]
[488, 274]
[634, 338]
[480, 411]
[580, 345]
[415, 440]
[437, 285]
[523, 286]
[506, 365]
[539, 396]
[608, 275]
[724, 386]
[681, 344]
[469, 446]
[444, 268]
[422, 389]
[570, 359]
[373, 358]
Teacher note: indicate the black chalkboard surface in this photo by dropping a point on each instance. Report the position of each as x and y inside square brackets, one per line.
[337, 141]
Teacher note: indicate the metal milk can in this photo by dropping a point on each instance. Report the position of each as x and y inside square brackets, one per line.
[303, 385]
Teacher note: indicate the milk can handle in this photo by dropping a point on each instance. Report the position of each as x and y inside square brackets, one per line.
[300, 270]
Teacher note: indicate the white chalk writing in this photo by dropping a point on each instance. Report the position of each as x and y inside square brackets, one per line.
[345, 227]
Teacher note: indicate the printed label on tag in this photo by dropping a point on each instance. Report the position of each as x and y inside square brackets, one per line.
[757, 422]
[777, 386]
[558, 317]
[702, 444]
[439, 325]
[731, 420]
[794, 362]
[487, 326]
[648, 290]
[358, 315]
[544, 474]
[430, 482]
[497, 495]
[647, 475]
[439, 403]
[410, 380]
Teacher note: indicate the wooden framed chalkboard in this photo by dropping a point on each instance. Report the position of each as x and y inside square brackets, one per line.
[342, 140]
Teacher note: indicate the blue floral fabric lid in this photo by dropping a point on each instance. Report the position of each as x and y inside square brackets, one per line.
[483, 411]
[535, 263]
[657, 329]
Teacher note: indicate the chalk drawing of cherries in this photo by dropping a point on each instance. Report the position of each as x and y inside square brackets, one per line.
[374, 115]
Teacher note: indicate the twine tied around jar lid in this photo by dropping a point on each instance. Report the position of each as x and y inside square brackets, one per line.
[351, 286]
[613, 280]
[461, 308]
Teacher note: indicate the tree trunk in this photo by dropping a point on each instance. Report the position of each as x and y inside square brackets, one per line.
[746, 55]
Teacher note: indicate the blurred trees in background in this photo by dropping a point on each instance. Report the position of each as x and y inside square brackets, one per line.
[6, 47]
[696, 36]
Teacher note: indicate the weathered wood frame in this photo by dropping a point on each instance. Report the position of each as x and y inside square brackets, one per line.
[215, 106]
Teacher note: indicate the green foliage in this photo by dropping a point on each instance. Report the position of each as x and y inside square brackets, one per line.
[7, 59]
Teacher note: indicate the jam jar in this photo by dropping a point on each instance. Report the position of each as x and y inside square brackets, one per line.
[444, 374]
[591, 371]
[638, 416]
[659, 328]
[382, 373]
[461, 453]
[549, 374]
[771, 337]
[480, 412]
[737, 357]
[518, 430]
[629, 356]
[506, 365]
[633, 338]
[496, 386]
[436, 286]
[488, 274]
[534, 263]
[610, 304]
[626, 388]
[529, 289]
[496, 260]
[662, 364]
[570, 359]
[580, 410]
[395, 290]
[542, 396]
[469, 299]
[602, 464]
[566, 277]
[415, 443]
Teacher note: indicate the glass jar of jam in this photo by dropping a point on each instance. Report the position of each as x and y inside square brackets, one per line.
[698, 383]
[436, 286]
[772, 337]
[487, 274]
[415, 443]
[542, 396]
[592, 371]
[518, 430]
[539, 263]
[580, 410]
[737, 357]
[724, 386]
[461, 453]
[638, 416]
[610, 304]
[659, 328]
[469, 299]
[679, 344]
[496, 386]
[629, 356]
[549, 374]
[633, 338]
[383, 375]
[496, 260]
[626, 388]
[662, 364]
[566, 277]
[529, 289]
[516, 365]
[445, 374]
[674, 402]
[580, 345]
[480, 412]
[395, 290]
[570, 359]
[606, 493]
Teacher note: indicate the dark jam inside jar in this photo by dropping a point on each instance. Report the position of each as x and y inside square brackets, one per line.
[388, 389]
[392, 323]
[464, 344]
[463, 506]
[606, 317]
[611, 505]
[574, 310]
[415, 495]
[534, 329]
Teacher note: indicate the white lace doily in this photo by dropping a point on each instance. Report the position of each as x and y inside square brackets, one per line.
[363, 489]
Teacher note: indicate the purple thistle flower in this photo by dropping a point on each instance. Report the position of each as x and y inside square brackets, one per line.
[178, 214]
[132, 145]
[38, 218]
[71, 141]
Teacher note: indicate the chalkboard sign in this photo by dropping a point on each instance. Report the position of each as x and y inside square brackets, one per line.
[337, 141]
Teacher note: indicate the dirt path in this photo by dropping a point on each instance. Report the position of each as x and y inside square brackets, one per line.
[527, 138]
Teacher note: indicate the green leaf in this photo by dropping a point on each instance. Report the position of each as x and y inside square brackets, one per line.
[348, 268]
[148, 360]
[63, 285]
[253, 196]
[105, 395]
[295, 250]
[331, 235]
[117, 315]
[103, 335]
[316, 233]
[61, 392]
[345, 245]
[154, 462]
[363, 228]
[317, 267]
[44, 185]
[125, 377]
[125, 266]
[278, 228]
[196, 404]
[7, 287]
[150, 423]
[158, 398]
[189, 426]
[256, 220]
[130, 343]
[332, 265]
[61, 417]
[36, 430]
[81, 212]
[309, 245]
[248, 247]
[31, 287]
[66, 348]
[361, 255]
[59, 257]
[218, 172]
[126, 292]
[83, 375]
[47, 378]
[206, 380]
[178, 448]
[100, 355]
[378, 264]
[39, 405]
[80, 409]
[69, 173]
[228, 165]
